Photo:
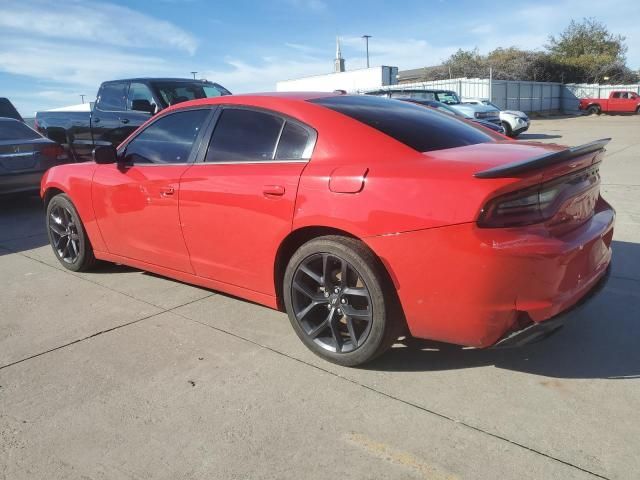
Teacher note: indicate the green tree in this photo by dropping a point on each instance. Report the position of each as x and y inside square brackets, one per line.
[466, 63]
[589, 52]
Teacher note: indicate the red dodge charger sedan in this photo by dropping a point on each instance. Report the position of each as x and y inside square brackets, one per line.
[365, 218]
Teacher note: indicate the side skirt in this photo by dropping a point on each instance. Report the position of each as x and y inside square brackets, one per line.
[241, 292]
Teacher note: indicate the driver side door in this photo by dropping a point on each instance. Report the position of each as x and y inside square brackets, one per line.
[136, 200]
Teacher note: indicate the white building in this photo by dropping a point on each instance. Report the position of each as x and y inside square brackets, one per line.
[352, 81]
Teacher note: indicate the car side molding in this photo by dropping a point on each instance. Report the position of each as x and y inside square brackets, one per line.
[543, 161]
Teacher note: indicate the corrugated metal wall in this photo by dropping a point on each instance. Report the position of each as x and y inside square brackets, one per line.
[524, 96]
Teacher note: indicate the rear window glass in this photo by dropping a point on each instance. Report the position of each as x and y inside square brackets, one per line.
[293, 142]
[418, 127]
[14, 130]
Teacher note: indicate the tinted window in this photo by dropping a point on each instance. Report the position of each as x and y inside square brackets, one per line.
[167, 140]
[139, 91]
[293, 142]
[112, 97]
[416, 126]
[244, 135]
[14, 130]
[177, 92]
[615, 95]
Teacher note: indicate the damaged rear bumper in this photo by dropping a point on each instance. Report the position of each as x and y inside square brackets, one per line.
[534, 332]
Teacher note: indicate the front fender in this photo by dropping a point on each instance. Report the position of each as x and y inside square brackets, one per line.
[75, 180]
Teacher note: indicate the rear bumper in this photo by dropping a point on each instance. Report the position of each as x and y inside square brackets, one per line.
[534, 332]
[471, 286]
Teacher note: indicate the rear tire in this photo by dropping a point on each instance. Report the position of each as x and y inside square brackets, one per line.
[593, 110]
[67, 235]
[345, 318]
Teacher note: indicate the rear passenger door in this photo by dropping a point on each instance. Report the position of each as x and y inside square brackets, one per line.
[237, 200]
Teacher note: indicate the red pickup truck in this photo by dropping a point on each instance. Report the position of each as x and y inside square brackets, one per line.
[618, 102]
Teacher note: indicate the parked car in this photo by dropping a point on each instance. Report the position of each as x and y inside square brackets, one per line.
[121, 107]
[618, 102]
[514, 122]
[7, 110]
[364, 218]
[447, 109]
[448, 97]
[24, 157]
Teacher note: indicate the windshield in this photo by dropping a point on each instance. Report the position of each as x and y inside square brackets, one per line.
[489, 104]
[14, 130]
[178, 92]
[448, 98]
[449, 110]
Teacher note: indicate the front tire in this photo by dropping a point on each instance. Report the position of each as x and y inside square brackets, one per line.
[67, 235]
[507, 129]
[593, 110]
[338, 301]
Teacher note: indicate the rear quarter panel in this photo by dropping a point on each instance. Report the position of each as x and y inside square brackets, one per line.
[75, 180]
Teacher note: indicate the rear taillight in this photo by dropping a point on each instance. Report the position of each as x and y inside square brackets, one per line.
[54, 151]
[536, 204]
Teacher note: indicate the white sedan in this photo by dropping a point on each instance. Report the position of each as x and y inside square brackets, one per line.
[513, 121]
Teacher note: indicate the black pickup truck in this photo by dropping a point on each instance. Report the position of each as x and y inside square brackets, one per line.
[120, 107]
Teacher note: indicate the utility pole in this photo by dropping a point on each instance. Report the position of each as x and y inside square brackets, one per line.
[82, 97]
[490, 84]
[366, 42]
[194, 75]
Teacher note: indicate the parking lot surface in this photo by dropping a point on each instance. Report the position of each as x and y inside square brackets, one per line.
[119, 374]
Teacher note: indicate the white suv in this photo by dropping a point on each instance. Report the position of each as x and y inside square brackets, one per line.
[513, 121]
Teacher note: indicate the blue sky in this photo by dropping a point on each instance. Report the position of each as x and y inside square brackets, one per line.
[49, 56]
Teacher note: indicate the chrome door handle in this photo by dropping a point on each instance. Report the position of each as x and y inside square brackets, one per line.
[167, 191]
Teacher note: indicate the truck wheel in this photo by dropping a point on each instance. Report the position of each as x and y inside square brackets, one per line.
[593, 110]
[507, 129]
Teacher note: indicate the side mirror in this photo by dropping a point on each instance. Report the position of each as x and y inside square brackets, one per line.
[105, 154]
[142, 106]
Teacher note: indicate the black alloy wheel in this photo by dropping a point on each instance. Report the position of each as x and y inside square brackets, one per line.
[332, 303]
[67, 235]
[339, 300]
[64, 233]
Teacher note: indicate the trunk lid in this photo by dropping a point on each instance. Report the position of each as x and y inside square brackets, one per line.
[532, 183]
[22, 156]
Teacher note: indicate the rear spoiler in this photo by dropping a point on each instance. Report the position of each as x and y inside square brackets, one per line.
[543, 161]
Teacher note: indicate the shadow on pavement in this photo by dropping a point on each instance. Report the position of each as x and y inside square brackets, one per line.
[22, 222]
[599, 341]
